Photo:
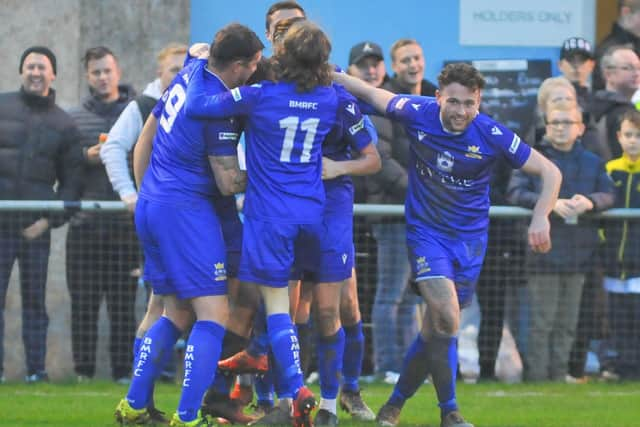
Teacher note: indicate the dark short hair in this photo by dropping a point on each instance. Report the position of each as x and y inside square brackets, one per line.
[282, 5]
[234, 42]
[94, 53]
[631, 115]
[264, 71]
[462, 73]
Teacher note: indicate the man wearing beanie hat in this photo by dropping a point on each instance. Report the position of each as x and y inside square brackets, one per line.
[36, 140]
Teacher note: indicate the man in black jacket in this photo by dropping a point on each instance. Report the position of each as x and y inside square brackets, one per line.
[624, 31]
[102, 254]
[36, 141]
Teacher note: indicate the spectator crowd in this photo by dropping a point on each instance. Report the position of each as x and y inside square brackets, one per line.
[585, 291]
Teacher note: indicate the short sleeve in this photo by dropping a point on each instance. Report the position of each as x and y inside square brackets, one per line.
[408, 109]
[222, 137]
[515, 151]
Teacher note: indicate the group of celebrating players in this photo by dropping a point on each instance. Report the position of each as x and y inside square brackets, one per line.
[236, 283]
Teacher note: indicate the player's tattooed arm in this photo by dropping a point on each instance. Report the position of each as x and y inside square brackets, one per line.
[229, 177]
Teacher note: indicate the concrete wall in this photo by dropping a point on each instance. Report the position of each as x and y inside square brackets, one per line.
[135, 31]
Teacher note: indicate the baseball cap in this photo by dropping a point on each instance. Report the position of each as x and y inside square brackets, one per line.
[576, 45]
[364, 49]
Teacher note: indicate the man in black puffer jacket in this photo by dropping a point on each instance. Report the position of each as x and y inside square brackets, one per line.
[102, 254]
[36, 141]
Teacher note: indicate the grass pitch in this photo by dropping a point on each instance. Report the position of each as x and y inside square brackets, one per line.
[485, 405]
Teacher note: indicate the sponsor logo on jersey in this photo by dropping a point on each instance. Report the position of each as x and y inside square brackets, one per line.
[449, 181]
[357, 127]
[496, 131]
[445, 161]
[515, 143]
[422, 266]
[421, 135]
[351, 108]
[416, 106]
[227, 136]
[401, 103]
[235, 92]
[473, 152]
[344, 258]
[220, 273]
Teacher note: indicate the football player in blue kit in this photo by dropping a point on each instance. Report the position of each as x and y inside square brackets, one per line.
[192, 164]
[286, 123]
[453, 151]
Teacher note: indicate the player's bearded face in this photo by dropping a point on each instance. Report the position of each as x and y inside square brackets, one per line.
[458, 106]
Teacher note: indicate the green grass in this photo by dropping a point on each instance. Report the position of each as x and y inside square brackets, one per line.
[486, 405]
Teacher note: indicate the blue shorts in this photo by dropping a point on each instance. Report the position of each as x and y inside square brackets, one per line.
[434, 256]
[335, 260]
[184, 249]
[232, 232]
[268, 250]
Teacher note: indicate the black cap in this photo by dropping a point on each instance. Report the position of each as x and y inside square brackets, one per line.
[576, 45]
[364, 49]
[42, 51]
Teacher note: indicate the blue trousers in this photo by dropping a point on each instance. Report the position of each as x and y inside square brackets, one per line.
[33, 260]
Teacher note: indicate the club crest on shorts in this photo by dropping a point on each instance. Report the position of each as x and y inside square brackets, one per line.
[422, 266]
[220, 273]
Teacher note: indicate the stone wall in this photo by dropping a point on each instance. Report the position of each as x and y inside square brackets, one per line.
[135, 31]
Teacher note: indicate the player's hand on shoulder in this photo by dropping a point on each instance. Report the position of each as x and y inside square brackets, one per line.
[540, 234]
[199, 50]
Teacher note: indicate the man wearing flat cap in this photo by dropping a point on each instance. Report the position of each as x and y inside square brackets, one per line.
[36, 137]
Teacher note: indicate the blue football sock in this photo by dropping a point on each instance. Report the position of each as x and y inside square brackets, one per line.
[264, 387]
[136, 347]
[200, 363]
[415, 369]
[286, 351]
[442, 354]
[353, 356]
[330, 353]
[148, 364]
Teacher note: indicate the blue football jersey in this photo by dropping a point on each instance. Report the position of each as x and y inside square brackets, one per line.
[348, 135]
[179, 170]
[284, 130]
[449, 173]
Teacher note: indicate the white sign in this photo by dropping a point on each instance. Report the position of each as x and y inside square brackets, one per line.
[524, 22]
